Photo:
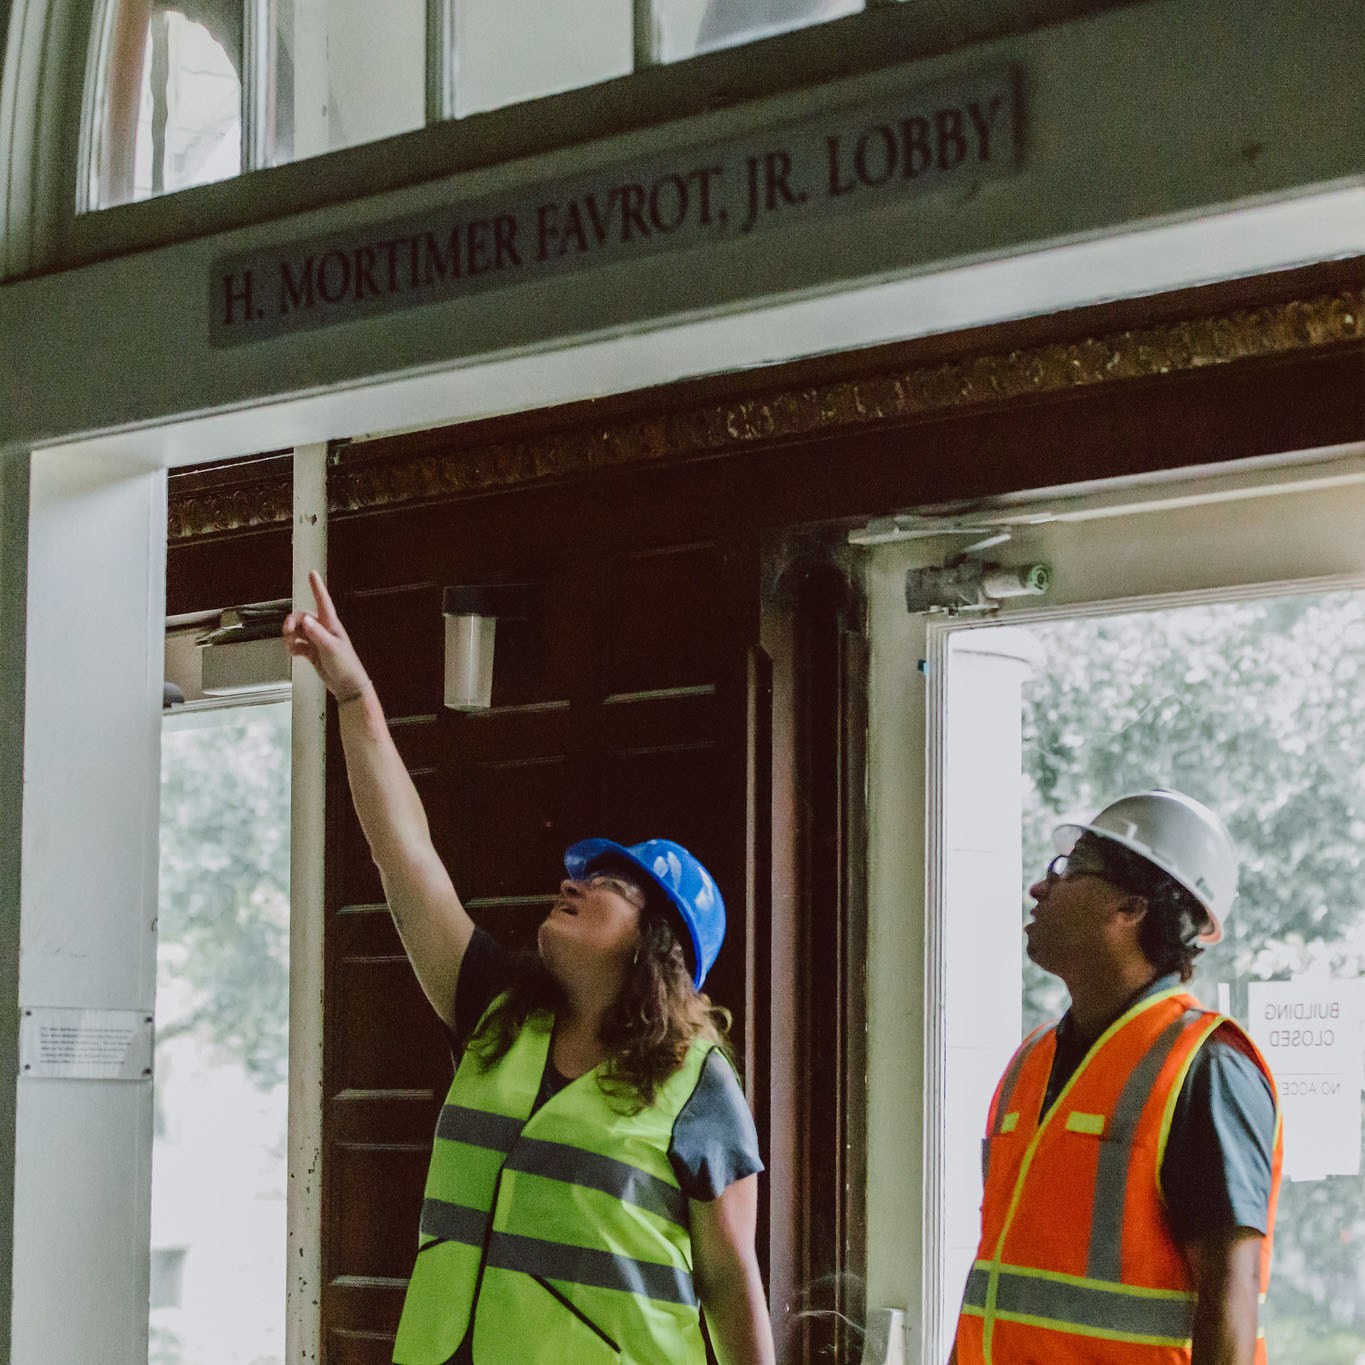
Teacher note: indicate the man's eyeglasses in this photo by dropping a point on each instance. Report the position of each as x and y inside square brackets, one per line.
[1068, 866]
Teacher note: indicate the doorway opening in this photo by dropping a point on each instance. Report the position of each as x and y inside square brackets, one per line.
[1254, 706]
[220, 1147]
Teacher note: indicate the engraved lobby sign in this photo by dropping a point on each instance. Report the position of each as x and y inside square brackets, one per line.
[950, 136]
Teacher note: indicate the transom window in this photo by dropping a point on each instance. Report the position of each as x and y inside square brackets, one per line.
[203, 90]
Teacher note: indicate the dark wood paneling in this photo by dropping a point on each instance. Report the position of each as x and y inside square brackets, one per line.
[391, 628]
[356, 1301]
[211, 574]
[513, 807]
[662, 618]
[796, 381]
[1255, 408]
[388, 1183]
[408, 1117]
[621, 710]
[359, 1348]
[386, 1037]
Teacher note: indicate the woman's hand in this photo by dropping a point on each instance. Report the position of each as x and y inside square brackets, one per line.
[322, 640]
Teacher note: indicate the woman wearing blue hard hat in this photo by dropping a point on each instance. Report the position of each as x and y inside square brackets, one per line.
[593, 1183]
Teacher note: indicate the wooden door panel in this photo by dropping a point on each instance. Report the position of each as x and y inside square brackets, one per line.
[660, 719]
[388, 1179]
[512, 841]
[663, 620]
[358, 1348]
[399, 634]
[406, 1117]
[513, 923]
[417, 740]
[387, 1036]
[665, 792]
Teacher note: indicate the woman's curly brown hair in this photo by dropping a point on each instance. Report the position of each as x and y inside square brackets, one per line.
[647, 1032]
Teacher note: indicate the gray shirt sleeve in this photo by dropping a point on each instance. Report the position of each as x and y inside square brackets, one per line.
[714, 1139]
[1216, 1171]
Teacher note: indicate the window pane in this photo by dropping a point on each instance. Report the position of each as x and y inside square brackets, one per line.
[342, 72]
[686, 27]
[219, 1154]
[1256, 708]
[172, 114]
[510, 50]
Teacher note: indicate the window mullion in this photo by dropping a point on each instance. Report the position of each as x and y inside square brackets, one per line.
[256, 72]
[646, 44]
[440, 61]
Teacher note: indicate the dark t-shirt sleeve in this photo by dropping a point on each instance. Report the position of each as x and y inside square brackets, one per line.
[487, 971]
[714, 1139]
[1216, 1171]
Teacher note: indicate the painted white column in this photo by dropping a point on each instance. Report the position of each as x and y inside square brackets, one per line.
[307, 822]
[92, 731]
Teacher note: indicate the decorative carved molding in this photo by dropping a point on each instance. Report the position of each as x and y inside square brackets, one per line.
[204, 513]
[1165, 349]
[358, 481]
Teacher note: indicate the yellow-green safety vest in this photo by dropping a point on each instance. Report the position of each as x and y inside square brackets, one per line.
[563, 1234]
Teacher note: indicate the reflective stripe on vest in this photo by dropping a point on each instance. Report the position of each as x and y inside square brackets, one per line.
[1075, 1244]
[562, 1234]
[1068, 1303]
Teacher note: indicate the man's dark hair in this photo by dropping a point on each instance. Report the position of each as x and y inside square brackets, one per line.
[1169, 931]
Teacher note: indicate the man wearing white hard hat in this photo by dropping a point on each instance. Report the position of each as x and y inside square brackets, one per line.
[1132, 1154]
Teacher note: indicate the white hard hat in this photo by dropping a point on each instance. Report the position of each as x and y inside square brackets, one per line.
[1183, 837]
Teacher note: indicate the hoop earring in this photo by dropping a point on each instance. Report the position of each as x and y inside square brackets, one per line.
[635, 961]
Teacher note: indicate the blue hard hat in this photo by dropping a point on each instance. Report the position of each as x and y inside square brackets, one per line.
[687, 887]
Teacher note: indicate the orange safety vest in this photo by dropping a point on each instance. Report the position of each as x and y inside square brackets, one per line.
[1077, 1263]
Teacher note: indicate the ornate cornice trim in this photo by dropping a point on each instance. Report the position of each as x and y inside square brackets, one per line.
[359, 480]
[206, 513]
[822, 409]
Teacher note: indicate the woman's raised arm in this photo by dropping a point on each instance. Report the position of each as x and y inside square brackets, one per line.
[432, 923]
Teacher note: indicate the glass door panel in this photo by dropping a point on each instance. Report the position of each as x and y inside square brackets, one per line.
[1257, 709]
